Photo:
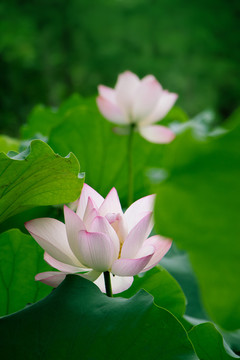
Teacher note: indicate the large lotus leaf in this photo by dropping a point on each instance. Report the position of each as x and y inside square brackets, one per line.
[78, 321]
[36, 177]
[21, 258]
[163, 287]
[103, 152]
[198, 206]
[178, 265]
[208, 343]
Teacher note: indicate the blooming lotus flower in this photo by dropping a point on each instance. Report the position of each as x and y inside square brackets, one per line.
[140, 102]
[99, 237]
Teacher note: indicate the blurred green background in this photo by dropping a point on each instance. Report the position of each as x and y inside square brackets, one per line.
[50, 49]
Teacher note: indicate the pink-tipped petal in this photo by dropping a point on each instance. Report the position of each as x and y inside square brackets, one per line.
[136, 237]
[51, 235]
[146, 98]
[62, 266]
[126, 86]
[54, 278]
[51, 278]
[87, 192]
[131, 267]
[90, 213]
[157, 134]
[101, 225]
[119, 283]
[161, 246]
[73, 225]
[111, 204]
[107, 93]
[164, 105]
[110, 111]
[96, 250]
[138, 210]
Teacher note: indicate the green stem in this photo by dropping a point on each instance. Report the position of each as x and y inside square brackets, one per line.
[130, 165]
[108, 285]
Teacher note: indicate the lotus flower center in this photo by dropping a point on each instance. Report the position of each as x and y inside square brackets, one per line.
[117, 222]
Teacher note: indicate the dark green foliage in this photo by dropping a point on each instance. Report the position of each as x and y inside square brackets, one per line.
[208, 343]
[163, 287]
[77, 320]
[198, 206]
[21, 258]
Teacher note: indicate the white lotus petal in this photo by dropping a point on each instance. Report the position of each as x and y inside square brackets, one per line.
[51, 235]
[101, 225]
[136, 237]
[161, 246]
[138, 210]
[111, 111]
[119, 283]
[126, 86]
[96, 250]
[146, 98]
[107, 93]
[73, 225]
[62, 266]
[90, 213]
[111, 204]
[119, 225]
[87, 192]
[131, 267]
[51, 278]
[157, 134]
[54, 278]
[164, 105]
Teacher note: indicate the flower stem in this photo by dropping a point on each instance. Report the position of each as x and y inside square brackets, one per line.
[108, 285]
[130, 165]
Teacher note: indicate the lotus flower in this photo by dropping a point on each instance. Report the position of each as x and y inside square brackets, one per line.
[99, 237]
[140, 102]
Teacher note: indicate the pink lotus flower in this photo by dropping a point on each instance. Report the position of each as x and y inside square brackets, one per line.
[99, 237]
[140, 102]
